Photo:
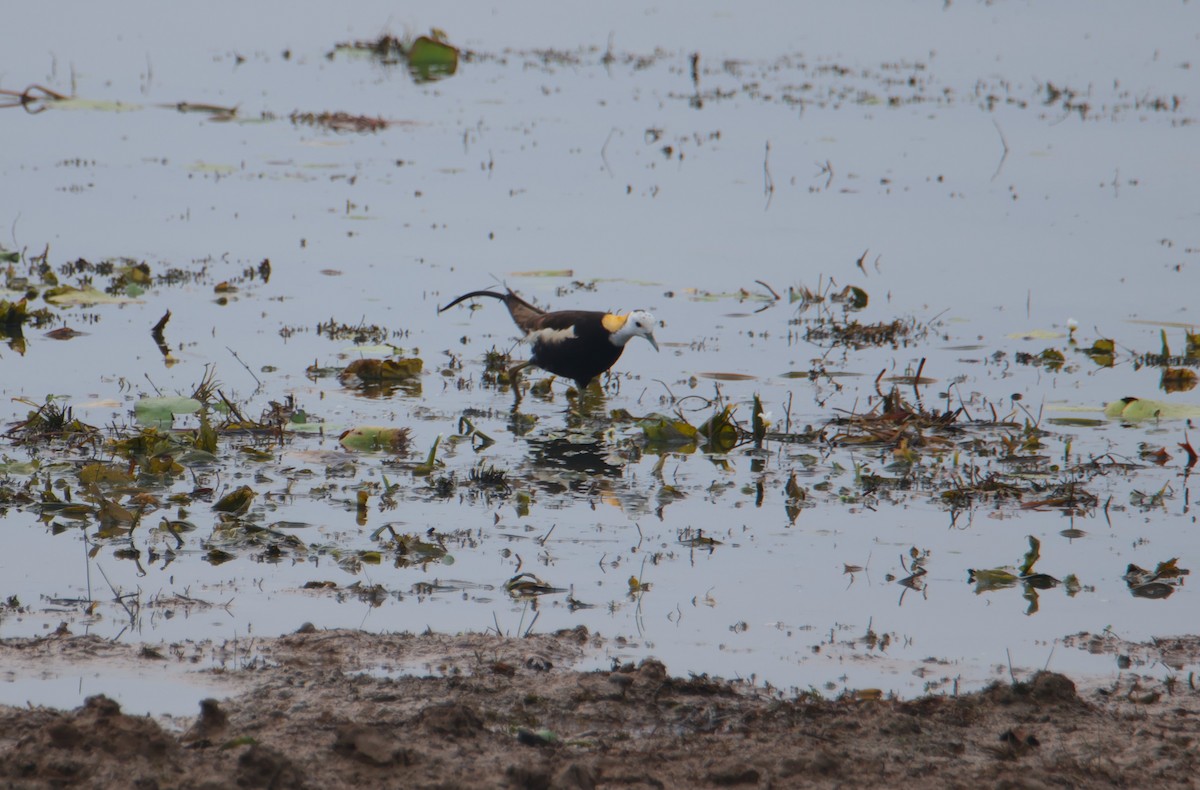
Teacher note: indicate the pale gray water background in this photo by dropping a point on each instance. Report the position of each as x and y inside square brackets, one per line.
[540, 155]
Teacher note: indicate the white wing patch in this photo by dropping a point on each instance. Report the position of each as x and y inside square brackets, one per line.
[551, 336]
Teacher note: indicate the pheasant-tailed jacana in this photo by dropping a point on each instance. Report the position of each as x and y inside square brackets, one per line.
[574, 344]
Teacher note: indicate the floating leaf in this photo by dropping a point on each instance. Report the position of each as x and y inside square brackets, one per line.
[760, 422]
[217, 556]
[1177, 380]
[992, 579]
[853, 296]
[1152, 590]
[159, 412]
[1157, 584]
[430, 59]
[382, 349]
[545, 273]
[669, 432]
[102, 474]
[1170, 569]
[719, 432]
[1031, 556]
[66, 295]
[375, 438]
[1040, 581]
[727, 376]
[1133, 409]
[383, 369]
[527, 584]
[13, 314]
[1053, 358]
[212, 168]
[1102, 352]
[1036, 334]
[236, 501]
[95, 105]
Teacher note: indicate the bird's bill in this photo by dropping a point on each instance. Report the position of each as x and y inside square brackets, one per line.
[653, 342]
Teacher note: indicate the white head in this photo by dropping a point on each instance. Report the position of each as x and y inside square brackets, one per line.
[639, 323]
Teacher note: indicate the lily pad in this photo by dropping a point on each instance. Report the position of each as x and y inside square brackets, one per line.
[1134, 409]
[160, 412]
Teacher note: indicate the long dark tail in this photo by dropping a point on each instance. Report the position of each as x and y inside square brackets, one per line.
[471, 295]
[524, 315]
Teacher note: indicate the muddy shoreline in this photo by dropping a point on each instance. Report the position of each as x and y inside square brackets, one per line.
[323, 709]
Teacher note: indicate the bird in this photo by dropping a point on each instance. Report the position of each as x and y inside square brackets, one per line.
[575, 344]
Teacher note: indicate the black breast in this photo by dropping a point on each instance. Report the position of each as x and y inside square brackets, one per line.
[581, 355]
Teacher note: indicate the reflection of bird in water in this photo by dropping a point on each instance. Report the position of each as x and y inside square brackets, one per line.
[590, 458]
[574, 344]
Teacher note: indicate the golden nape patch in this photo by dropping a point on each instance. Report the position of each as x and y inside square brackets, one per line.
[613, 323]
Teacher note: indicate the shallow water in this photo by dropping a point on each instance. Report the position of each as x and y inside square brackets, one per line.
[807, 137]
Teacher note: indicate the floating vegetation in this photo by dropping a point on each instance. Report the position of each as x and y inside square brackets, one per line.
[409, 550]
[33, 99]
[696, 539]
[991, 579]
[855, 335]
[1133, 409]
[358, 333]
[526, 585]
[340, 121]
[51, 421]
[191, 476]
[1160, 583]
[375, 438]
[14, 315]
[427, 57]
[378, 370]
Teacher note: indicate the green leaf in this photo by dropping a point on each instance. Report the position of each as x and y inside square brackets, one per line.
[375, 438]
[1031, 556]
[159, 412]
[992, 579]
[425, 469]
[236, 501]
[95, 105]
[759, 424]
[429, 59]
[719, 432]
[668, 432]
[1133, 409]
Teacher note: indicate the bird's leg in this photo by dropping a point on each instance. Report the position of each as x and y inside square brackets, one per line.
[514, 379]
